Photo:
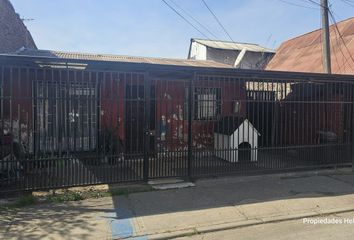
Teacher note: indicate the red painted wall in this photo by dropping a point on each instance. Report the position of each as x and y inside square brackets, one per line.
[299, 121]
[171, 103]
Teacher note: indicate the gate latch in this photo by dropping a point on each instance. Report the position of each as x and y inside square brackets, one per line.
[150, 132]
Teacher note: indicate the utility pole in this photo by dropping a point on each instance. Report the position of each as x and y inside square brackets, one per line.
[325, 38]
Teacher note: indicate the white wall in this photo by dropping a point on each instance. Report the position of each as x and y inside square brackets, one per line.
[222, 146]
[246, 133]
[226, 146]
[198, 51]
[251, 60]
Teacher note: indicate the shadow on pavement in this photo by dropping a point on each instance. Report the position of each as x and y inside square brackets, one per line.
[235, 191]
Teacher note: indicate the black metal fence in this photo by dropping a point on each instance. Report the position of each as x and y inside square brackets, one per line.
[68, 125]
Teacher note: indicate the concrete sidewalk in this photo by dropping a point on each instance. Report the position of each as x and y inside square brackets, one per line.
[286, 230]
[212, 205]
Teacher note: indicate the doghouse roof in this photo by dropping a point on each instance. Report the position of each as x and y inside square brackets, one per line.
[228, 125]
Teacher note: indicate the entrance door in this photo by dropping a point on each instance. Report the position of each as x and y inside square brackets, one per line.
[66, 117]
[135, 119]
[244, 155]
[134, 124]
[260, 112]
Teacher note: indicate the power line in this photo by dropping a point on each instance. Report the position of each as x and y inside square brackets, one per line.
[335, 54]
[337, 32]
[191, 24]
[345, 61]
[218, 21]
[297, 5]
[221, 25]
[195, 20]
[203, 26]
[316, 3]
[331, 13]
[200, 24]
[350, 3]
[217, 42]
[185, 19]
[340, 35]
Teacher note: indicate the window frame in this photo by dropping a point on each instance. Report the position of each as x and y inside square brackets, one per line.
[198, 91]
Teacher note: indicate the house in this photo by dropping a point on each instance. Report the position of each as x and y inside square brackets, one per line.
[81, 118]
[124, 99]
[93, 82]
[13, 33]
[236, 140]
[237, 55]
[304, 53]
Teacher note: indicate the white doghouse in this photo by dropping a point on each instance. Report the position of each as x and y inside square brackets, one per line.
[230, 133]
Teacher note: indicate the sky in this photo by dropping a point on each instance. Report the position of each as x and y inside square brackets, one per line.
[150, 28]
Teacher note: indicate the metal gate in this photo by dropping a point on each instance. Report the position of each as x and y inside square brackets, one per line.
[64, 125]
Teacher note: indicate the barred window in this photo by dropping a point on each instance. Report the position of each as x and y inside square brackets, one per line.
[207, 103]
[67, 117]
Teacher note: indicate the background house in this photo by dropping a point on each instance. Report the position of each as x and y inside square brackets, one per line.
[304, 53]
[237, 55]
[13, 33]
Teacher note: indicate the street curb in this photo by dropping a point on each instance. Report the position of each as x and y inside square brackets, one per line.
[247, 223]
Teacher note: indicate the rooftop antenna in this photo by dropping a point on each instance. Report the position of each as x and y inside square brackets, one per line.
[27, 19]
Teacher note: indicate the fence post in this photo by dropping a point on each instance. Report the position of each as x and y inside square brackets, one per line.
[352, 127]
[190, 118]
[147, 93]
[351, 147]
[352, 155]
[352, 134]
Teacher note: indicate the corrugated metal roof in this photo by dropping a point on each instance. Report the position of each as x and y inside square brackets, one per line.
[233, 45]
[304, 53]
[121, 58]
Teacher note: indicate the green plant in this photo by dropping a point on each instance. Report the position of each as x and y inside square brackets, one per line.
[67, 196]
[27, 200]
[23, 201]
[129, 190]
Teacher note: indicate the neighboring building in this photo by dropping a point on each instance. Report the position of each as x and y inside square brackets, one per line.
[237, 55]
[13, 33]
[304, 53]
